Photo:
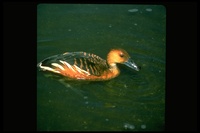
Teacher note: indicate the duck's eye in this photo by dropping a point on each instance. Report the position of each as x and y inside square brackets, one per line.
[121, 55]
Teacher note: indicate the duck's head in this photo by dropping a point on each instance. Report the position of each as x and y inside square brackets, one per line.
[122, 57]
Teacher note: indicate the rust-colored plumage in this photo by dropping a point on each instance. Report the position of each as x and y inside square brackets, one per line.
[86, 66]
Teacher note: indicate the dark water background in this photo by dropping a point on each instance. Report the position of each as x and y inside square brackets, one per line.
[133, 101]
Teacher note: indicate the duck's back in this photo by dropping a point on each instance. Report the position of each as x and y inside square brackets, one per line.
[75, 65]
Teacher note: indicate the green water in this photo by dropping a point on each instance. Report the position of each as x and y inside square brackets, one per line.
[133, 101]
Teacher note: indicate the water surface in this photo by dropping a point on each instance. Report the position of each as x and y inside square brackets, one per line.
[134, 101]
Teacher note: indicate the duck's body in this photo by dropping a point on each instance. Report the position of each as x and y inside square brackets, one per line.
[85, 66]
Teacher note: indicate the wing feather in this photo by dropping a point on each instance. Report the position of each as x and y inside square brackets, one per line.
[90, 63]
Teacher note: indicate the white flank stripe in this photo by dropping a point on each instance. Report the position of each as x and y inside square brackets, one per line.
[47, 68]
[67, 64]
[57, 65]
[81, 71]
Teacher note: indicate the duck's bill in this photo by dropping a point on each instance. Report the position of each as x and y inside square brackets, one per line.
[130, 63]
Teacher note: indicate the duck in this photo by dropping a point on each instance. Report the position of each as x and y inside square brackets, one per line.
[87, 66]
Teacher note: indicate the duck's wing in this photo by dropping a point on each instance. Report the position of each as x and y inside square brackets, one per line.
[82, 61]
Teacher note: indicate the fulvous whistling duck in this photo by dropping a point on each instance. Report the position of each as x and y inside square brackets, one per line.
[86, 66]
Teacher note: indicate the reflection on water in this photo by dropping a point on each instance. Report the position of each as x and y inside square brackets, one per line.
[133, 101]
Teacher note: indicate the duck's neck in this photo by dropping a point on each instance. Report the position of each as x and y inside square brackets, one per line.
[112, 65]
[114, 69]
